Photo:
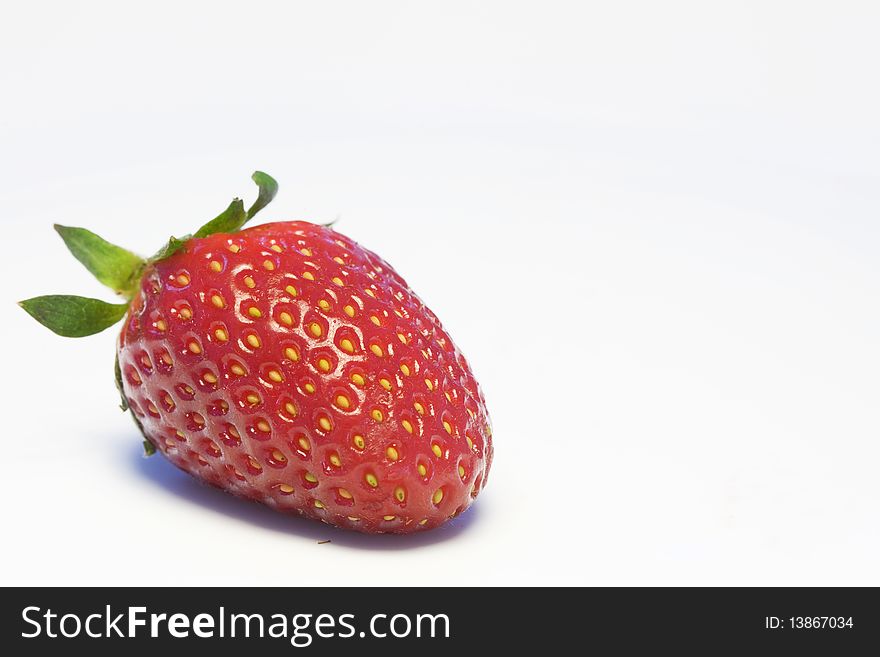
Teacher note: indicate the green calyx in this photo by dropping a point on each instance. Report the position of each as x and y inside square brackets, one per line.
[72, 316]
[121, 270]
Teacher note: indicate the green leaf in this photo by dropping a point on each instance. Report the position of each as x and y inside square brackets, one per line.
[268, 188]
[234, 217]
[115, 267]
[74, 317]
[173, 245]
[228, 221]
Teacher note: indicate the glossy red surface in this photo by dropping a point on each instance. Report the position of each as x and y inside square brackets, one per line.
[289, 365]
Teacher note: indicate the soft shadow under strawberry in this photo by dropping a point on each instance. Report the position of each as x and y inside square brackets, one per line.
[170, 479]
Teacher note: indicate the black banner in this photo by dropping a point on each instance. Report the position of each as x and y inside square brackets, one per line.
[436, 621]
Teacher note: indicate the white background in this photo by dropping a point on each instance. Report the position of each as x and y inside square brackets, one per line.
[652, 227]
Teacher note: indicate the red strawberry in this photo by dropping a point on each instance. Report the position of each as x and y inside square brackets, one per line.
[287, 364]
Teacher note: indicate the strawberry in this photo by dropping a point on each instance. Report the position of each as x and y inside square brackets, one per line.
[287, 364]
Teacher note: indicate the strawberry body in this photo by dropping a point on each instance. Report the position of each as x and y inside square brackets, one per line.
[289, 365]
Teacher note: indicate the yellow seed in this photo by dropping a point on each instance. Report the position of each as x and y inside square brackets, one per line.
[419, 408]
[252, 399]
[405, 369]
[166, 358]
[216, 266]
[324, 423]
[285, 488]
[429, 383]
[370, 293]
[276, 248]
[254, 312]
[358, 441]
[309, 477]
[376, 349]
[253, 341]
[371, 480]
[422, 470]
[436, 449]
[221, 335]
[337, 281]
[423, 522]
[376, 414]
[448, 427]
[438, 495]
[291, 354]
[342, 402]
[235, 248]
[319, 504]
[346, 346]
[209, 377]
[324, 305]
[236, 369]
[187, 390]
[399, 494]
[275, 376]
[375, 320]
[195, 348]
[334, 460]
[407, 425]
[315, 329]
[323, 364]
[268, 265]
[353, 518]
[358, 380]
[392, 454]
[309, 276]
[285, 318]
[185, 313]
[161, 325]
[183, 279]
[263, 426]
[306, 252]
[249, 282]
[290, 408]
[461, 472]
[344, 493]
[385, 383]
[152, 408]
[338, 260]
[254, 463]
[233, 432]
[217, 300]
[349, 310]
[402, 338]
[304, 443]
[309, 388]
[291, 290]
[470, 442]
[389, 517]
